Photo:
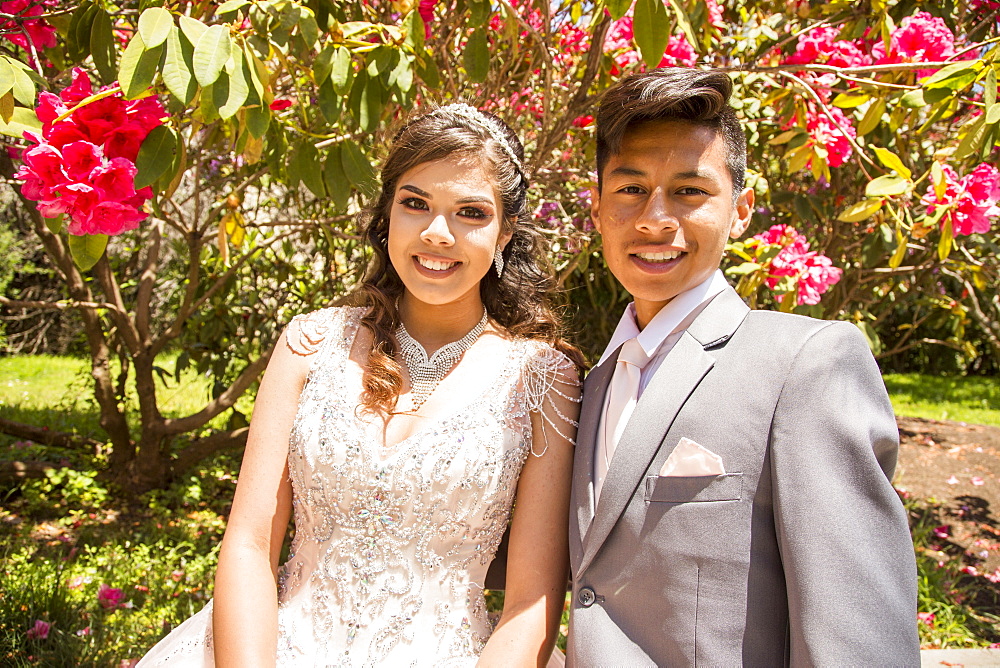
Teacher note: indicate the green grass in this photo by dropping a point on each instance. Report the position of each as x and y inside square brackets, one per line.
[974, 399]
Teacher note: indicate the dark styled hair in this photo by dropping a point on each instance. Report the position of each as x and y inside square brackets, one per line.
[699, 97]
[519, 302]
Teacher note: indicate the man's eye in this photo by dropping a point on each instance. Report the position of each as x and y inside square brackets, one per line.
[691, 190]
[631, 190]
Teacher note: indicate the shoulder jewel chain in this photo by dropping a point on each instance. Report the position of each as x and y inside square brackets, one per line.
[426, 373]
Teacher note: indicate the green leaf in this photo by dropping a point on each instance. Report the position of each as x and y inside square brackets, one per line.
[238, 88]
[78, 36]
[743, 269]
[871, 336]
[946, 240]
[211, 54]
[258, 118]
[178, 67]
[231, 6]
[479, 12]
[138, 67]
[955, 76]
[618, 8]
[357, 168]
[330, 102]
[403, 74]
[7, 106]
[193, 29]
[651, 29]
[341, 71]
[157, 153]
[914, 99]
[900, 252]
[990, 88]
[859, 211]
[55, 225]
[102, 46]
[323, 64]
[784, 137]
[872, 117]
[310, 169]
[682, 20]
[337, 183]
[7, 79]
[887, 186]
[892, 161]
[308, 28]
[850, 100]
[21, 121]
[87, 249]
[154, 26]
[413, 26]
[972, 141]
[477, 56]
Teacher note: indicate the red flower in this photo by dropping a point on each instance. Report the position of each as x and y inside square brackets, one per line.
[919, 38]
[40, 631]
[972, 199]
[280, 105]
[109, 597]
[40, 33]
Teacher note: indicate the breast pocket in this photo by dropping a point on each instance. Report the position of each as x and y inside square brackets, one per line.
[694, 489]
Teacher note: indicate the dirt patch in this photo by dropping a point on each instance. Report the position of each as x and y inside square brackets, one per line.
[957, 465]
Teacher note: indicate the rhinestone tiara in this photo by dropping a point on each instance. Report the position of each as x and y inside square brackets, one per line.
[470, 113]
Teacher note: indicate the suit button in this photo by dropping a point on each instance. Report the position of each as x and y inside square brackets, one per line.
[586, 597]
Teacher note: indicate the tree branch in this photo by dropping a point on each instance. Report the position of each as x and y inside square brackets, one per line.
[45, 436]
[203, 447]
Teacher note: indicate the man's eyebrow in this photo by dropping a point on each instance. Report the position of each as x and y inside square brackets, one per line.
[418, 191]
[626, 171]
[694, 174]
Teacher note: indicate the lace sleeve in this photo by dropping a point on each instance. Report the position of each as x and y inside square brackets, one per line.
[552, 389]
[306, 332]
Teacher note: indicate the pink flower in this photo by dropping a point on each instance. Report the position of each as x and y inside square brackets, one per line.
[84, 632]
[829, 135]
[952, 480]
[820, 45]
[40, 33]
[109, 597]
[40, 631]
[812, 273]
[679, 53]
[943, 531]
[976, 480]
[926, 618]
[971, 200]
[583, 121]
[426, 11]
[715, 14]
[919, 38]
[83, 165]
[280, 105]
[619, 43]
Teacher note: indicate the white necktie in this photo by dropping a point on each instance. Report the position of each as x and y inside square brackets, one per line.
[623, 395]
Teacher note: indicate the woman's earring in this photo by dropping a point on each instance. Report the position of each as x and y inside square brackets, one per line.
[498, 261]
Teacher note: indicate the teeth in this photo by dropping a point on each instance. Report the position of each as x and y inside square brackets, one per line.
[659, 257]
[434, 264]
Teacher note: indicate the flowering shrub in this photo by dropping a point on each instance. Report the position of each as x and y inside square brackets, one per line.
[919, 38]
[619, 43]
[970, 202]
[783, 257]
[833, 137]
[83, 164]
[36, 31]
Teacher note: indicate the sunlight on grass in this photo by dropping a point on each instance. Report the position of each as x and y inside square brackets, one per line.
[57, 392]
[973, 399]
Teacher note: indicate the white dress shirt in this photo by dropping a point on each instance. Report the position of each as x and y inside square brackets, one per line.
[658, 337]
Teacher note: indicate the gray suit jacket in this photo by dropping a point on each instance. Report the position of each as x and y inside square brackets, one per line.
[799, 555]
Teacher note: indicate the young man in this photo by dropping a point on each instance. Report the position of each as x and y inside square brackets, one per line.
[731, 494]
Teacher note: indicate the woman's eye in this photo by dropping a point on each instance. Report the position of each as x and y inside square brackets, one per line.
[414, 203]
[473, 212]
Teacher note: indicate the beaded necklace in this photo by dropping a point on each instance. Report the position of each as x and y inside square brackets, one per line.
[426, 372]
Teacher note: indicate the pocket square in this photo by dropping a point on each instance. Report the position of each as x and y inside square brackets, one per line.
[691, 459]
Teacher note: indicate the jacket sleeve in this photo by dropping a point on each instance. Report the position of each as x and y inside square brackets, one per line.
[842, 531]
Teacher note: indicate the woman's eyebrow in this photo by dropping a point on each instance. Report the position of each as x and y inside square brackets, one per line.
[416, 190]
[475, 199]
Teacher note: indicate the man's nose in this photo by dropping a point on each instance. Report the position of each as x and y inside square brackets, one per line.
[438, 232]
[657, 215]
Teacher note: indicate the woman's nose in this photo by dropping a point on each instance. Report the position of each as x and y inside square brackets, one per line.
[438, 232]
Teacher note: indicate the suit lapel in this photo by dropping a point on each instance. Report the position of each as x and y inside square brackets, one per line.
[594, 389]
[666, 393]
[678, 375]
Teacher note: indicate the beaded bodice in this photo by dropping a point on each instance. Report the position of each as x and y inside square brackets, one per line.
[392, 545]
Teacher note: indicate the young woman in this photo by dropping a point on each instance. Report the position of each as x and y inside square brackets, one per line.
[398, 429]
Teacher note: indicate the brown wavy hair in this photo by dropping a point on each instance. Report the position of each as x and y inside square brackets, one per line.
[520, 302]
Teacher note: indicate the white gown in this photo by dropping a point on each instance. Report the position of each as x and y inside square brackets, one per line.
[391, 548]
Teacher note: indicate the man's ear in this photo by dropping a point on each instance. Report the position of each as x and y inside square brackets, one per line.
[595, 207]
[742, 214]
